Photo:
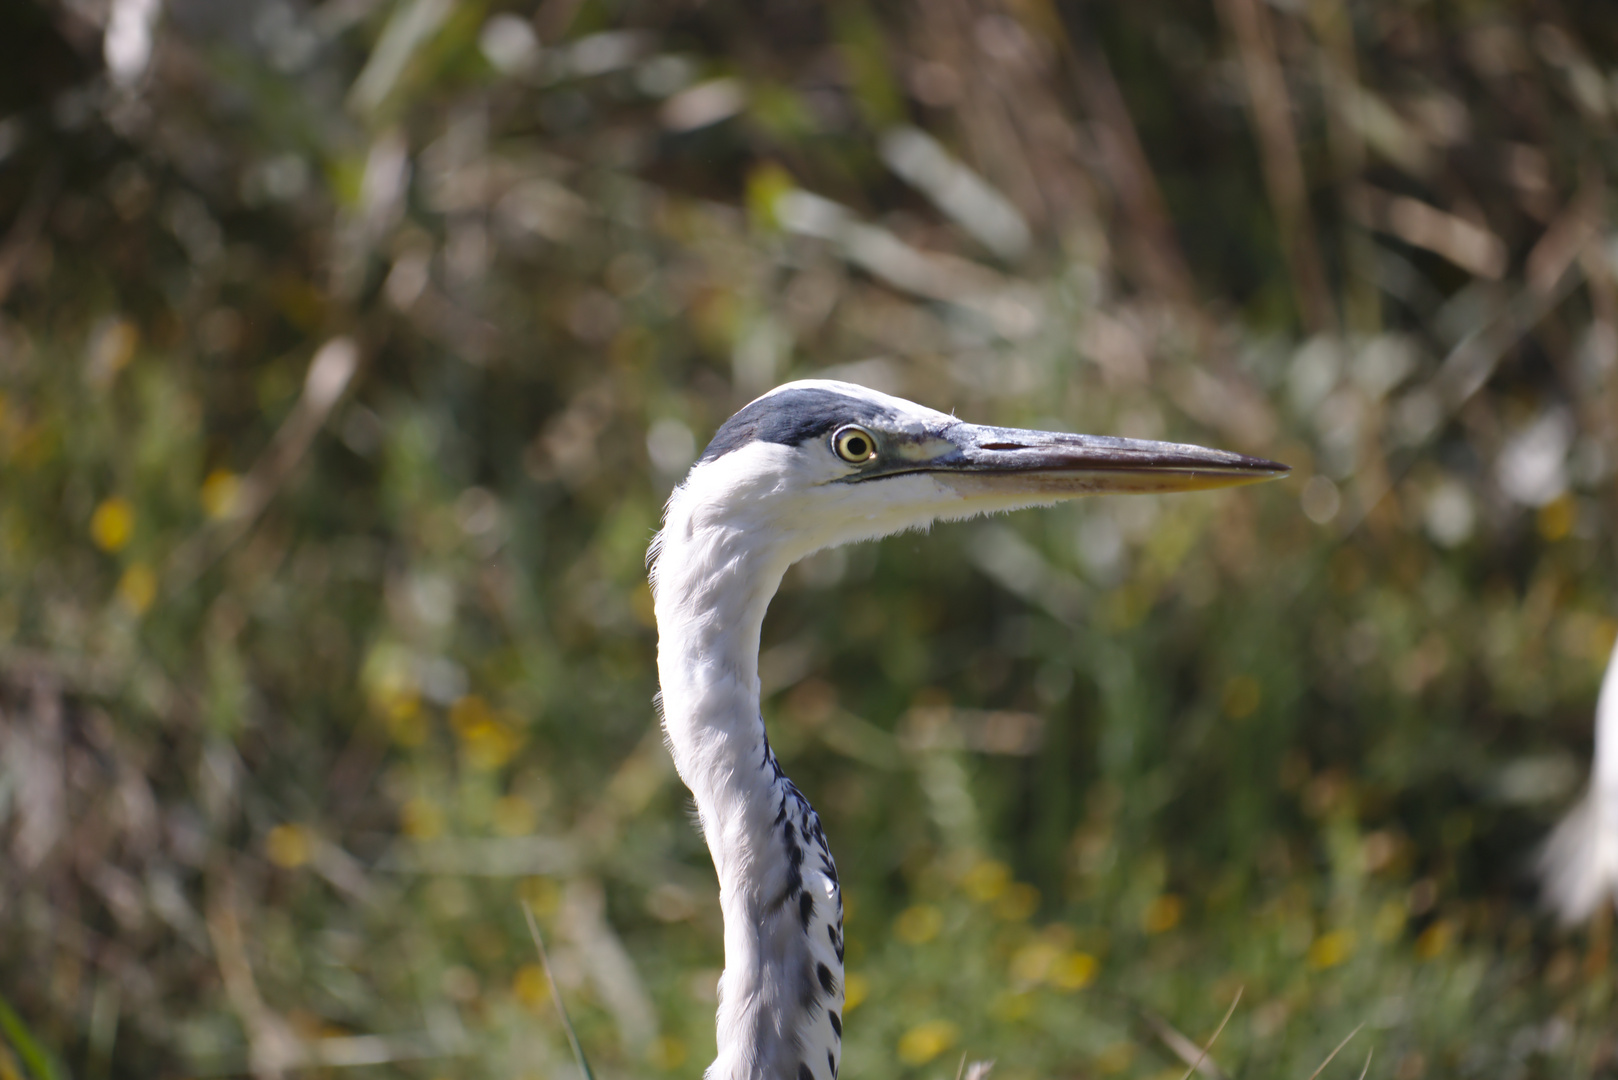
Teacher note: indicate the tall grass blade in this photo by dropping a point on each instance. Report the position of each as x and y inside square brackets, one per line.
[38, 1061]
[1218, 1031]
[1337, 1051]
[556, 993]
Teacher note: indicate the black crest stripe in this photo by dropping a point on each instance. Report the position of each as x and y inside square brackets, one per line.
[792, 417]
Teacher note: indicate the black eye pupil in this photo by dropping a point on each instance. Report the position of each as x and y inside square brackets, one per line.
[856, 446]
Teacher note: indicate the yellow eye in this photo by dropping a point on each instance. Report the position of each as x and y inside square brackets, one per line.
[854, 444]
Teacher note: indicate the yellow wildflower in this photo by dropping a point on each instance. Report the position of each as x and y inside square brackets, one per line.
[112, 524]
[926, 1041]
[1163, 914]
[137, 588]
[1073, 971]
[288, 846]
[530, 987]
[1331, 949]
[986, 881]
[918, 925]
[219, 493]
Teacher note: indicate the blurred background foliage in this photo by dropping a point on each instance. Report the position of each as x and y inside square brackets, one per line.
[348, 349]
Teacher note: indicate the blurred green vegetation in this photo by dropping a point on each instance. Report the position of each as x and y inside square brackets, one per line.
[347, 352]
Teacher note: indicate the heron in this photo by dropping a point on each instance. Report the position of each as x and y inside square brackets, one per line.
[811, 465]
[1579, 861]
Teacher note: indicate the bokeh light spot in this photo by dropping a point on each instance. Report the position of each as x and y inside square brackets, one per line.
[1018, 903]
[288, 846]
[1320, 500]
[1389, 922]
[513, 815]
[1115, 1058]
[1435, 940]
[666, 1052]
[1163, 914]
[926, 1041]
[856, 988]
[1329, 950]
[421, 819]
[137, 588]
[919, 924]
[1012, 1006]
[1556, 518]
[1073, 971]
[1032, 962]
[986, 881]
[219, 494]
[112, 524]
[530, 987]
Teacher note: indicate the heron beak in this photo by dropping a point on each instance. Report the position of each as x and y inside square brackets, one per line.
[990, 461]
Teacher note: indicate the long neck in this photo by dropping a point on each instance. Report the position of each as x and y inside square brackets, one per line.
[780, 1000]
[711, 599]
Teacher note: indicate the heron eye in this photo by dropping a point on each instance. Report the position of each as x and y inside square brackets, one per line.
[854, 444]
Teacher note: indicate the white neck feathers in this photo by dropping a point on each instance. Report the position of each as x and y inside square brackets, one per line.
[713, 575]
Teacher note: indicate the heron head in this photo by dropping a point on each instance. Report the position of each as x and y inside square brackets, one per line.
[817, 463]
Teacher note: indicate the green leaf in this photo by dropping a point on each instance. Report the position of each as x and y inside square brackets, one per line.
[39, 1061]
